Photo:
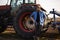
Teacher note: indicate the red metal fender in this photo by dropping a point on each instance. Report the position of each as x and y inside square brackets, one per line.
[3, 7]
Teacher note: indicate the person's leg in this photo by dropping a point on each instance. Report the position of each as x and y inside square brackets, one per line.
[38, 30]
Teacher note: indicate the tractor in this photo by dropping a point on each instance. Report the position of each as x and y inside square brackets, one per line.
[17, 14]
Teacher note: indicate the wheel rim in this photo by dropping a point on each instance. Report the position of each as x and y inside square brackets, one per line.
[24, 22]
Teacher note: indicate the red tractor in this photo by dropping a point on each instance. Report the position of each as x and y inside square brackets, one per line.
[17, 14]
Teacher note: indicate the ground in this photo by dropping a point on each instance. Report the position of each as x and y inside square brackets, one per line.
[10, 34]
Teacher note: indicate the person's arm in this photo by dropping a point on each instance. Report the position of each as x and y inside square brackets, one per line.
[43, 9]
[32, 19]
[31, 16]
[44, 15]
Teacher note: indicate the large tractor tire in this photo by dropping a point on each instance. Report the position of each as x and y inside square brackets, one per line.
[23, 25]
[3, 26]
[21, 22]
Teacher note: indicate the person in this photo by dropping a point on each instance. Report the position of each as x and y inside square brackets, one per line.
[38, 17]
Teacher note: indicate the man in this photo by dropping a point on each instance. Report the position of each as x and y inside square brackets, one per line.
[38, 17]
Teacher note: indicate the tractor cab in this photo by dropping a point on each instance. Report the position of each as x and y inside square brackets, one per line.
[15, 4]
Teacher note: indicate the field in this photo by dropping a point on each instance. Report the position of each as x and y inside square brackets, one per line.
[10, 34]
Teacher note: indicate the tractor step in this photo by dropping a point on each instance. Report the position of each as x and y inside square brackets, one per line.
[9, 29]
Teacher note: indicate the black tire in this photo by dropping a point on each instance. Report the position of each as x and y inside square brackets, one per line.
[18, 27]
[3, 26]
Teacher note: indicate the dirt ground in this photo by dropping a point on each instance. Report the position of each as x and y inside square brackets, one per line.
[14, 36]
[9, 37]
[10, 34]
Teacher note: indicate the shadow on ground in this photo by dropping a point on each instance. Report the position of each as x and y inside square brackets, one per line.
[9, 37]
[10, 34]
[14, 36]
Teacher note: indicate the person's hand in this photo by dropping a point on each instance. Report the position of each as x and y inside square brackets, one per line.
[32, 19]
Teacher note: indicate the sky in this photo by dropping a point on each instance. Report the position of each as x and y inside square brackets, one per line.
[4, 2]
[46, 4]
[49, 5]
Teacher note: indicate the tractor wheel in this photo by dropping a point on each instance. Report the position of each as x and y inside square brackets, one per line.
[23, 25]
[3, 26]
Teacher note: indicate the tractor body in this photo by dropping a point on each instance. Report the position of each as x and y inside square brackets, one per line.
[16, 14]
